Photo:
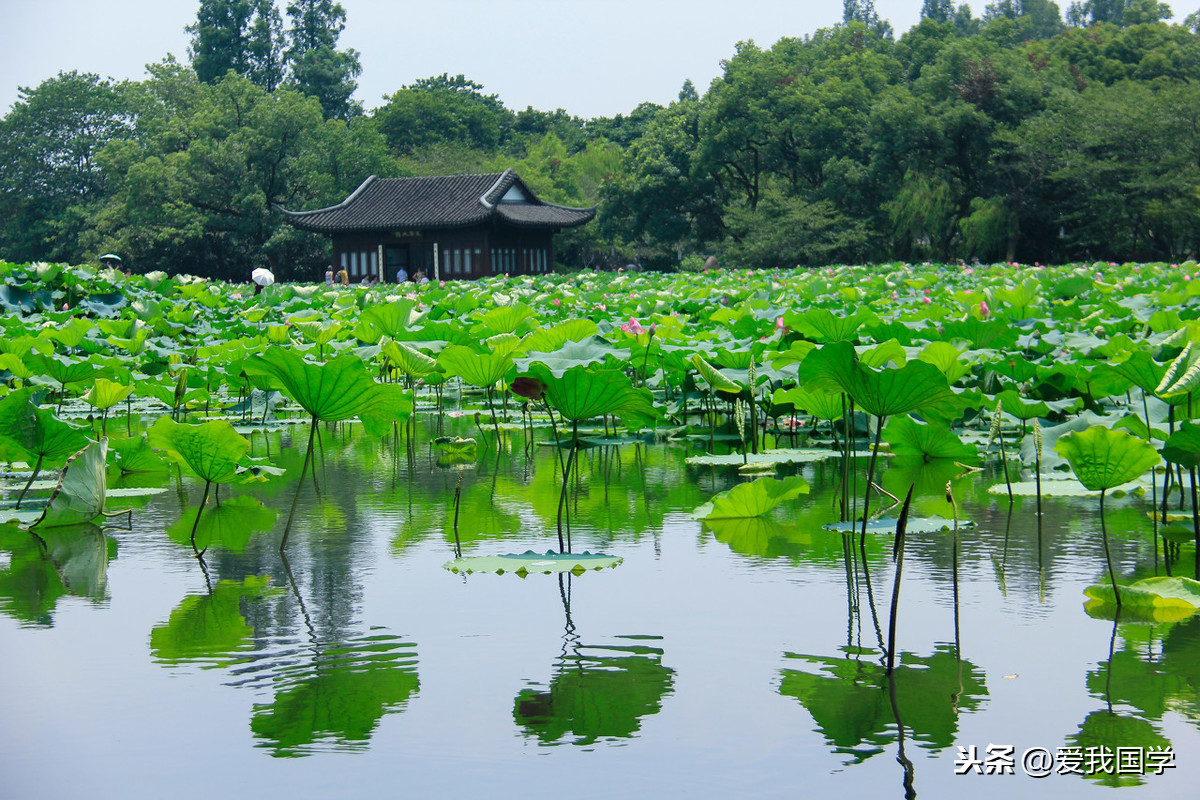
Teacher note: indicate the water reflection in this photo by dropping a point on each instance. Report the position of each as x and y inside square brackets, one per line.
[37, 569]
[597, 692]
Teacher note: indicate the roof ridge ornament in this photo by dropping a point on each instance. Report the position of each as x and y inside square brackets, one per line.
[483, 198]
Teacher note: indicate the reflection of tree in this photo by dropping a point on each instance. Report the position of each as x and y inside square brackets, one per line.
[848, 698]
[66, 560]
[597, 692]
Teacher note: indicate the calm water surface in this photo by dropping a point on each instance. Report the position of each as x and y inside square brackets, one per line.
[724, 660]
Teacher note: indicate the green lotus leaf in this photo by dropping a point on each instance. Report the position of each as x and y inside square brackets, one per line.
[1060, 487]
[550, 340]
[917, 386]
[319, 333]
[338, 389]
[766, 457]
[814, 402]
[104, 305]
[35, 431]
[1142, 370]
[944, 356]
[752, 499]
[715, 379]
[211, 452]
[409, 360]
[135, 455]
[390, 403]
[1103, 458]
[879, 356]
[1183, 447]
[388, 319]
[586, 351]
[822, 325]
[79, 496]
[105, 394]
[1182, 375]
[507, 319]
[529, 562]
[887, 525]
[476, 369]
[582, 393]
[1161, 599]
[62, 371]
[908, 437]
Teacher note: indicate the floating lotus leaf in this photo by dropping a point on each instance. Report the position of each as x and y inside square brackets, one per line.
[766, 457]
[887, 525]
[752, 499]
[1103, 458]
[1161, 599]
[1064, 487]
[530, 562]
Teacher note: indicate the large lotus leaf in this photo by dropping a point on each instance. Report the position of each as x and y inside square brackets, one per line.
[1103, 458]
[907, 437]
[503, 344]
[752, 499]
[229, 524]
[105, 394]
[814, 402]
[209, 628]
[338, 389]
[822, 325]
[879, 356]
[1022, 408]
[584, 352]
[596, 693]
[1059, 487]
[36, 431]
[211, 452]
[945, 357]
[476, 369]
[337, 697]
[550, 340]
[388, 319]
[582, 393]
[916, 386]
[1183, 447]
[104, 305]
[409, 360]
[390, 404]
[1141, 369]
[320, 333]
[79, 496]
[63, 371]
[529, 562]
[135, 455]
[508, 319]
[1051, 435]
[796, 353]
[1161, 599]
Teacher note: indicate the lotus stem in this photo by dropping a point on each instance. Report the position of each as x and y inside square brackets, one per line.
[312, 435]
[870, 479]
[1112, 575]
[199, 513]
[36, 469]
[898, 557]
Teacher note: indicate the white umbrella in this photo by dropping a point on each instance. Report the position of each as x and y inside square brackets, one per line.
[262, 276]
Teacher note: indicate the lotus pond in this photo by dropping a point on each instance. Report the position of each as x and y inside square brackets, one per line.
[753, 534]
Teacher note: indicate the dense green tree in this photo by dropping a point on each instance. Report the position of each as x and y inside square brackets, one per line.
[317, 67]
[443, 109]
[49, 143]
[242, 36]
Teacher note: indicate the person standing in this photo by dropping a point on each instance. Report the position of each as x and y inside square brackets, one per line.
[401, 275]
[329, 275]
[343, 277]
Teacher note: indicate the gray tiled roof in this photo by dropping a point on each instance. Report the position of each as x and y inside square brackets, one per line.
[448, 201]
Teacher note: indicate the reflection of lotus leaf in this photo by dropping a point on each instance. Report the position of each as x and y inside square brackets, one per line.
[849, 701]
[339, 697]
[530, 562]
[229, 525]
[1111, 731]
[209, 627]
[602, 692]
[74, 560]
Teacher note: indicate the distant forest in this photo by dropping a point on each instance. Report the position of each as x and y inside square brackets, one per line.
[1022, 134]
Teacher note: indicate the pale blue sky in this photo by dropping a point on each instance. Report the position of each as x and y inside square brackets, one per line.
[590, 58]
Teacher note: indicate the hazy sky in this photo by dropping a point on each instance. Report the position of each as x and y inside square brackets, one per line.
[594, 58]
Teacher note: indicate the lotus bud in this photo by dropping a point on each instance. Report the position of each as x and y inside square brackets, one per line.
[994, 433]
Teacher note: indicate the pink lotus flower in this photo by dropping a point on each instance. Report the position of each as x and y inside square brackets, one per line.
[556, 302]
[927, 300]
[984, 311]
[633, 327]
[779, 326]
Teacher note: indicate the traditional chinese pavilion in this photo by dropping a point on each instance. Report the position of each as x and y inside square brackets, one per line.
[450, 227]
